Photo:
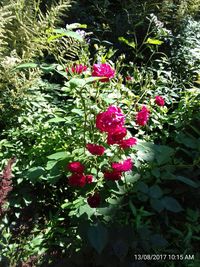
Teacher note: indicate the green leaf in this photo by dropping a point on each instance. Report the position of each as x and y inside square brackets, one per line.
[62, 32]
[156, 204]
[78, 82]
[171, 204]
[56, 120]
[127, 42]
[59, 155]
[73, 26]
[27, 66]
[153, 41]
[98, 237]
[187, 181]
[142, 187]
[34, 173]
[155, 191]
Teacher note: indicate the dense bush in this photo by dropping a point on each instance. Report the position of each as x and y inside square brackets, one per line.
[100, 138]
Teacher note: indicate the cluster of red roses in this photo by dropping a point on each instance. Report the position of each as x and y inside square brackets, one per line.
[98, 70]
[112, 122]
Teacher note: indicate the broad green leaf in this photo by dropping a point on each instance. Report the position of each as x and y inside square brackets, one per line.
[127, 42]
[56, 120]
[34, 173]
[153, 41]
[155, 191]
[63, 32]
[142, 187]
[156, 204]
[98, 237]
[171, 204]
[59, 155]
[27, 66]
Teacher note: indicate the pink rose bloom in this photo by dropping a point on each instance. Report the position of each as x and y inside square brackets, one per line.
[75, 166]
[116, 136]
[109, 120]
[77, 179]
[94, 200]
[103, 70]
[78, 69]
[127, 143]
[124, 166]
[112, 175]
[159, 100]
[142, 116]
[95, 149]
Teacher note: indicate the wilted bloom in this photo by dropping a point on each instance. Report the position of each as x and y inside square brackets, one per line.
[77, 179]
[129, 78]
[124, 166]
[89, 178]
[109, 120]
[95, 149]
[112, 175]
[78, 69]
[75, 166]
[127, 143]
[159, 100]
[103, 70]
[94, 200]
[142, 116]
[116, 136]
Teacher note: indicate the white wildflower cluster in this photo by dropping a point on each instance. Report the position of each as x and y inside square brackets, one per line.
[159, 25]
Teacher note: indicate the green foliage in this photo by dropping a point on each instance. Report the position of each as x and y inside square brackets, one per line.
[152, 209]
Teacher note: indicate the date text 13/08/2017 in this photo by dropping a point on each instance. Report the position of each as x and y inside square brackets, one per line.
[163, 257]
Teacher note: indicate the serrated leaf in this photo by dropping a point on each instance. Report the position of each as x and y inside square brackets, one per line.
[98, 237]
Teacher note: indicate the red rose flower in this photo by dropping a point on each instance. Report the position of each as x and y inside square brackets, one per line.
[78, 69]
[112, 175]
[103, 70]
[77, 179]
[109, 120]
[89, 178]
[116, 136]
[127, 143]
[75, 166]
[159, 100]
[142, 116]
[95, 149]
[124, 166]
[94, 200]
